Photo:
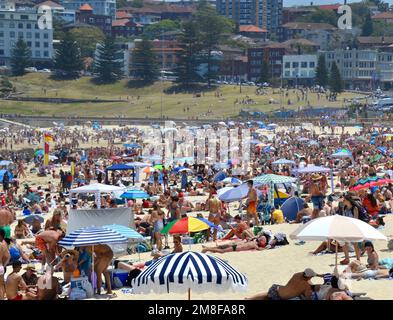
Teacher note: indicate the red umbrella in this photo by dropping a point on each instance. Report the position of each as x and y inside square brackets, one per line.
[371, 184]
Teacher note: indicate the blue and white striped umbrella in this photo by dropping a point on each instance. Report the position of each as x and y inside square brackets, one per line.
[91, 236]
[179, 272]
[126, 232]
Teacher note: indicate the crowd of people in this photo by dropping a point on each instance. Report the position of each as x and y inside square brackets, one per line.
[33, 216]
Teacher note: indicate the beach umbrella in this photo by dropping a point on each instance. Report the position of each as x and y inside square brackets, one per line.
[134, 194]
[5, 163]
[129, 233]
[371, 183]
[185, 170]
[232, 180]
[186, 271]
[253, 141]
[30, 218]
[219, 176]
[178, 169]
[132, 146]
[342, 153]
[271, 180]
[284, 161]
[268, 149]
[302, 139]
[91, 236]
[339, 228]
[158, 167]
[185, 226]
[313, 143]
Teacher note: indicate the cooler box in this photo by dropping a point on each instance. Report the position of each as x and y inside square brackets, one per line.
[121, 274]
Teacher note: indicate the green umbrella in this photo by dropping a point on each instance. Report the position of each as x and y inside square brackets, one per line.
[158, 166]
[168, 227]
[267, 179]
[375, 158]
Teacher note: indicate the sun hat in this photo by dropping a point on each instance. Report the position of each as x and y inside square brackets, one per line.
[316, 177]
[30, 267]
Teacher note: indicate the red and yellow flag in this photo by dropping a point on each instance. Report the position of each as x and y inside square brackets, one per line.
[48, 137]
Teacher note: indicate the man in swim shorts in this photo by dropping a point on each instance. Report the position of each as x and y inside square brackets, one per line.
[298, 286]
[252, 201]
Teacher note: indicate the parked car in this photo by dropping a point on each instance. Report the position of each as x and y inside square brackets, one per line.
[44, 71]
[31, 69]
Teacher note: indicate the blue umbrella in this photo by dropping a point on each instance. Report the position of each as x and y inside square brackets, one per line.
[91, 236]
[219, 176]
[178, 169]
[5, 163]
[132, 146]
[126, 232]
[232, 180]
[30, 218]
[135, 194]
[186, 271]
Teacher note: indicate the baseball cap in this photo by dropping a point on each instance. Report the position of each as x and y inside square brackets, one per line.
[309, 273]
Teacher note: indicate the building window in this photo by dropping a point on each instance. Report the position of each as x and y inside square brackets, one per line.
[304, 64]
[12, 25]
[12, 34]
[295, 64]
[28, 35]
[28, 43]
[37, 35]
[46, 45]
[28, 26]
[20, 35]
[46, 36]
[1, 34]
[1, 52]
[287, 65]
[38, 54]
[24, 17]
[312, 64]
[20, 25]
[46, 54]
[37, 44]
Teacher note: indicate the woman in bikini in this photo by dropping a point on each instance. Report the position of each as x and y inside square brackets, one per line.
[21, 230]
[214, 207]
[254, 244]
[157, 220]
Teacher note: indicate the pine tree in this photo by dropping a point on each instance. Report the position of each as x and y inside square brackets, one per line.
[321, 72]
[213, 27]
[187, 66]
[367, 28]
[335, 81]
[20, 58]
[107, 64]
[68, 60]
[144, 62]
[265, 72]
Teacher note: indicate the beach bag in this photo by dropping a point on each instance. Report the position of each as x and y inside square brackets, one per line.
[363, 214]
[86, 285]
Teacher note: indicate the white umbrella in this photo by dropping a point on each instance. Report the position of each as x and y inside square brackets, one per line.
[339, 228]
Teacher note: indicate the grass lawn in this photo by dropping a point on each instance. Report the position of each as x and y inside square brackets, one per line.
[144, 102]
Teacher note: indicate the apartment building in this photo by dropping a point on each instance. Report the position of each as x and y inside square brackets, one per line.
[23, 23]
[299, 69]
[265, 14]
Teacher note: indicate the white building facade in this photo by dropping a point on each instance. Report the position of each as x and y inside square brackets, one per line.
[22, 23]
[100, 7]
[299, 69]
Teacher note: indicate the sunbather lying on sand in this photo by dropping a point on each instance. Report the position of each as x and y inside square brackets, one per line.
[359, 271]
[298, 286]
[255, 244]
[329, 245]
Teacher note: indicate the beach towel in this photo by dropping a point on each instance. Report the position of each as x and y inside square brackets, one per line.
[386, 262]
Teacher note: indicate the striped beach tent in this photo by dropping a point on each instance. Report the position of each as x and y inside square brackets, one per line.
[186, 271]
[91, 236]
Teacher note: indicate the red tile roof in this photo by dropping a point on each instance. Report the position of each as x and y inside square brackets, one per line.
[120, 22]
[383, 15]
[123, 15]
[251, 28]
[329, 7]
[86, 7]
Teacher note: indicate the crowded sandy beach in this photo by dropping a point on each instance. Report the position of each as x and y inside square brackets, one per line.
[293, 212]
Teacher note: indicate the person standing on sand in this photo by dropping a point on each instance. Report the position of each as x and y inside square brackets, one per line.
[4, 260]
[214, 208]
[252, 202]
